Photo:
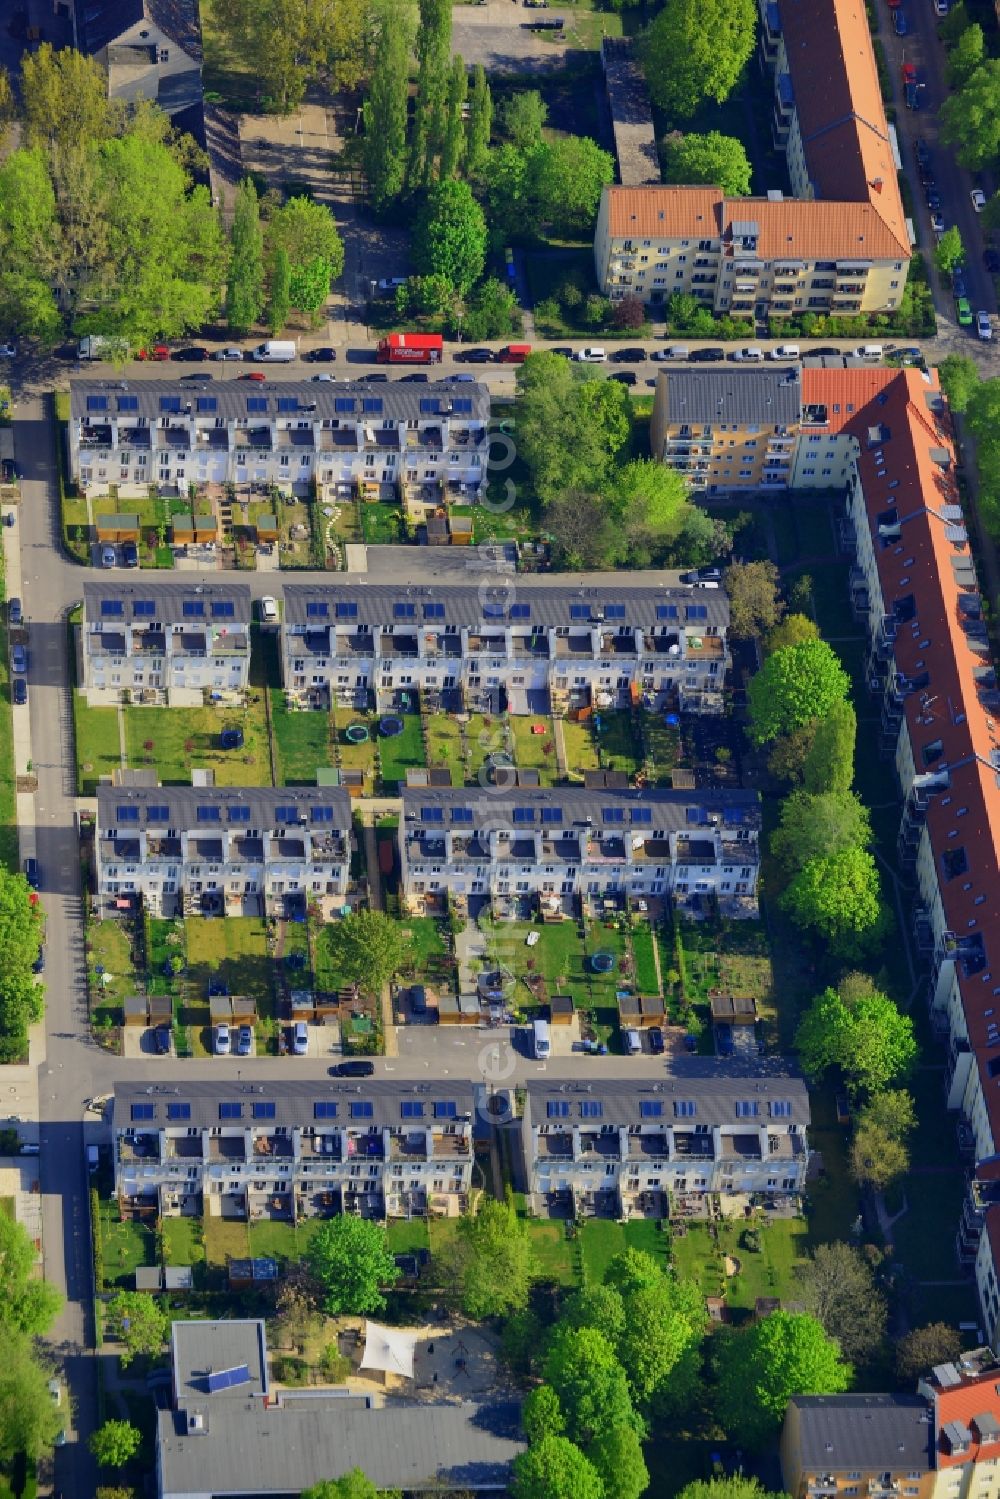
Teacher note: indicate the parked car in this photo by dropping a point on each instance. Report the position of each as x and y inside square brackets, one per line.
[358, 1068]
[940, 9]
[416, 378]
[675, 351]
[461, 379]
[8, 350]
[130, 554]
[629, 356]
[230, 353]
[633, 1042]
[15, 612]
[199, 379]
[257, 375]
[958, 286]
[300, 1038]
[329, 379]
[418, 1000]
[624, 377]
[564, 353]
[922, 151]
[378, 379]
[823, 353]
[193, 355]
[991, 260]
[592, 354]
[707, 356]
[19, 692]
[161, 1040]
[38, 966]
[157, 353]
[321, 356]
[18, 658]
[899, 23]
[978, 199]
[655, 1039]
[269, 610]
[984, 327]
[702, 575]
[108, 557]
[751, 355]
[223, 1041]
[244, 1041]
[33, 873]
[963, 312]
[476, 356]
[937, 222]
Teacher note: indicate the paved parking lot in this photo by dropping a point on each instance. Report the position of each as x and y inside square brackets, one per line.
[496, 34]
[290, 148]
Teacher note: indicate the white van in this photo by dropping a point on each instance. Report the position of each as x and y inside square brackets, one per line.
[541, 1041]
[787, 351]
[275, 351]
[752, 355]
[868, 351]
[633, 1043]
[675, 351]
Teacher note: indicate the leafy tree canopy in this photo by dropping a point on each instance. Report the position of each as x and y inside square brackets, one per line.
[719, 160]
[754, 597]
[555, 1469]
[877, 1158]
[589, 1381]
[816, 827]
[29, 1420]
[695, 50]
[837, 1287]
[307, 232]
[492, 1260]
[450, 235]
[794, 629]
[838, 897]
[115, 1443]
[541, 1415]
[522, 117]
[617, 1457]
[569, 427]
[365, 947]
[925, 1347]
[949, 251]
[865, 1035]
[966, 56]
[794, 686]
[734, 1487]
[970, 116]
[828, 765]
[352, 1485]
[959, 378]
[351, 1260]
[138, 1322]
[759, 1367]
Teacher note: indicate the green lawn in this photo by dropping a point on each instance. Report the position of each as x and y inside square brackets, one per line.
[381, 523]
[563, 961]
[109, 947]
[126, 1246]
[301, 742]
[176, 740]
[226, 1238]
[428, 955]
[445, 745]
[531, 751]
[645, 963]
[98, 751]
[398, 754]
[183, 1241]
[581, 752]
[614, 735]
[601, 1240]
[356, 756]
[557, 1256]
[407, 1235]
[769, 1272]
[233, 949]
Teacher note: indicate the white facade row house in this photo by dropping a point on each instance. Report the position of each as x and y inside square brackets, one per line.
[223, 851]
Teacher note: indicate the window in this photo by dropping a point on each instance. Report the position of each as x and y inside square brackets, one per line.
[288, 403]
[345, 610]
[613, 815]
[363, 1109]
[286, 814]
[325, 1109]
[320, 609]
[747, 1108]
[430, 405]
[193, 609]
[462, 406]
[238, 813]
[552, 814]
[143, 609]
[432, 814]
[321, 814]
[127, 813]
[344, 403]
[666, 611]
[524, 814]
[685, 1108]
[372, 404]
[520, 611]
[126, 403]
[650, 1108]
[170, 403]
[411, 1108]
[263, 1110]
[230, 1110]
[404, 611]
[141, 1111]
[256, 403]
[591, 1108]
[178, 1111]
[433, 611]
[614, 611]
[643, 815]
[208, 814]
[781, 1108]
[445, 1110]
[157, 814]
[557, 1108]
[461, 814]
[207, 403]
[579, 611]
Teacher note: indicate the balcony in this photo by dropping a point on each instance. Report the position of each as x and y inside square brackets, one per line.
[320, 1148]
[368, 1146]
[557, 1146]
[450, 1146]
[408, 1145]
[601, 1143]
[648, 1147]
[741, 1148]
[145, 1147]
[574, 645]
[227, 1148]
[271, 1147]
[184, 1148]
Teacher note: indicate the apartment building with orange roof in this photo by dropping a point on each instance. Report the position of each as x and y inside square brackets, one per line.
[840, 245]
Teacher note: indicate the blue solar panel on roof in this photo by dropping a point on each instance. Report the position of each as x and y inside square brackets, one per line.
[256, 403]
[157, 812]
[288, 403]
[372, 404]
[461, 814]
[579, 611]
[321, 814]
[344, 403]
[430, 404]
[223, 609]
[128, 813]
[143, 608]
[170, 403]
[178, 1111]
[207, 403]
[193, 608]
[227, 1379]
[128, 403]
[237, 812]
[207, 813]
[410, 1108]
[666, 611]
[433, 611]
[445, 1110]
[143, 1111]
[112, 608]
[348, 610]
[263, 1110]
[317, 609]
[97, 403]
[462, 405]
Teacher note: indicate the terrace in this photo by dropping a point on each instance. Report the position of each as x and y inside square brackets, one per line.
[601, 1142]
[139, 1147]
[323, 1203]
[368, 1145]
[705, 648]
[661, 644]
[481, 644]
[274, 1205]
[408, 1145]
[558, 1145]
[533, 647]
[574, 645]
[695, 851]
[272, 1146]
[652, 1146]
[620, 644]
[444, 1145]
[741, 1147]
[227, 1148]
[688, 1145]
[321, 1147]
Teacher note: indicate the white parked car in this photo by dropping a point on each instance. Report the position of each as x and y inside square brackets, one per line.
[223, 1041]
[978, 199]
[633, 1043]
[941, 8]
[269, 610]
[232, 353]
[300, 1038]
[592, 356]
[984, 327]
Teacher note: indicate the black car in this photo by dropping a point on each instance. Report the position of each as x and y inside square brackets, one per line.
[375, 379]
[190, 356]
[33, 873]
[958, 286]
[353, 1069]
[417, 378]
[703, 575]
[564, 353]
[624, 377]
[15, 612]
[920, 147]
[198, 379]
[130, 554]
[476, 356]
[991, 260]
[655, 1039]
[628, 356]
[19, 692]
[707, 356]
[161, 1040]
[322, 356]
[38, 966]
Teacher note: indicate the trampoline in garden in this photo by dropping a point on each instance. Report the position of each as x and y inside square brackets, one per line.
[356, 733]
[231, 739]
[390, 726]
[603, 961]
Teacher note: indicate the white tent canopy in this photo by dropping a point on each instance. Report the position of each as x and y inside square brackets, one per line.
[389, 1349]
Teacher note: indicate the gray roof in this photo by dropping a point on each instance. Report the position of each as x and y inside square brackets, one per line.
[714, 1087]
[762, 395]
[201, 1349]
[182, 804]
[176, 603]
[631, 115]
[672, 811]
[280, 1449]
[234, 400]
[647, 597]
[100, 22]
[388, 563]
[862, 1432]
[294, 1100]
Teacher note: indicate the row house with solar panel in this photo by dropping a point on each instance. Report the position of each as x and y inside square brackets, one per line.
[615, 1148]
[555, 851]
[293, 1149]
[531, 645]
[331, 439]
[224, 851]
[172, 644]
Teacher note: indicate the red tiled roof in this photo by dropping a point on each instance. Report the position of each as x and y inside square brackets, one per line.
[963, 1402]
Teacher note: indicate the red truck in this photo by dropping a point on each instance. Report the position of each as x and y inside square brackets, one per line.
[410, 348]
[514, 354]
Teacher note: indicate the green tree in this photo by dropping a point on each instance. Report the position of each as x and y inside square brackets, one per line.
[754, 590]
[450, 235]
[351, 1261]
[583, 532]
[793, 687]
[491, 311]
[983, 418]
[970, 117]
[29, 1419]
[816, 827]
[876, 1159]
[453, 148]
[427, 296]
[892, 1111]
[837, 1287]
[569, 428]
[353, 1485]
[696, 50]
[431, 102]
[719, 160]
[600, 1306]
[492, 1261]
[950, 252]
[829, 761]
[287, 43]
[138, 1322]
[589, 1381]
[617, 1458]
[384, 110]
[365, 947]
[480, 122]
[64, 100]
[663, 1324]
[29, 1305]
[924, 1348]
[735, 1487]
[21, 998]
[838, 896]
[115, 1443]
[541, 1415]
[522, 117]
[555, 1469]
[245, 287]
[968, 53]
[957, 21]
[959, 377]
[794, 629]
[307, 232]
[761, 1366]
[862, 1033]
[632, 1270]
[990, 218]
[279, 302]
[649, 503]
[564, 180]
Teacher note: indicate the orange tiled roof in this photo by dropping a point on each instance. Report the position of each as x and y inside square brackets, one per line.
[658, 212]
[975, 1396]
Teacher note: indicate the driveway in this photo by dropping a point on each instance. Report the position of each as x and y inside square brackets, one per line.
[497, 35]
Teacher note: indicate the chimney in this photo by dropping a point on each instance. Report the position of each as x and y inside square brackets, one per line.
[877, 184]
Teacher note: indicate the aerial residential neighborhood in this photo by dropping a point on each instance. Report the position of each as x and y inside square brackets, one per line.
[499, 749]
